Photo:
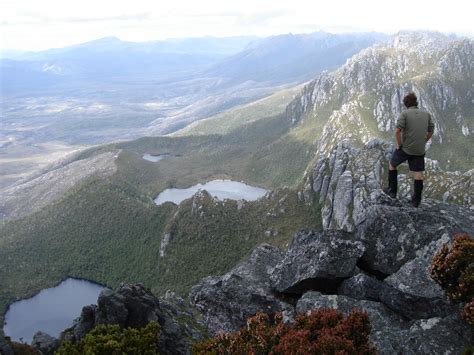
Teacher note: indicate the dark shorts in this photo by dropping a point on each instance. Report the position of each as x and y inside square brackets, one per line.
[415, 162]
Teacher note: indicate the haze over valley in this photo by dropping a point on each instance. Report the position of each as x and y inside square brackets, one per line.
[61, 100]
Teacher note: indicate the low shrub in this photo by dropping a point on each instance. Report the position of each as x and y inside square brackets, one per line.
[113, 340]
[322, 331]
[453, 269]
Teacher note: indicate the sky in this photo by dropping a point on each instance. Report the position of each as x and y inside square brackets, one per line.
[43, 24]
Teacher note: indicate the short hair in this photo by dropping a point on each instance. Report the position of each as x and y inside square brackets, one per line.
[410, 100]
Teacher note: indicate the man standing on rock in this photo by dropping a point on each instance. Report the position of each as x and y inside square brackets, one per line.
[414, 128]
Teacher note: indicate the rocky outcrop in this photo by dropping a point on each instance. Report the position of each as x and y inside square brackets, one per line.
[381, 267]
[317, 260]
[348, 183]
[406, 230]
[135, 306]
[227, 301]
[45, 343]
[5, 347]
[363, 98]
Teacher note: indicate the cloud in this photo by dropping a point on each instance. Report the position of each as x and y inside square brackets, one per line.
[259, 19]
[35, 20]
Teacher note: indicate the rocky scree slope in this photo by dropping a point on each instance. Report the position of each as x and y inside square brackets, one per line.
[362, 99]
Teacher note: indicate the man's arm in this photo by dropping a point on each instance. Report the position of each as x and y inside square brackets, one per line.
[398, 137]
[401, 123]
[428, 136]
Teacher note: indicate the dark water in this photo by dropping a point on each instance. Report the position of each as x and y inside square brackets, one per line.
[52, 310]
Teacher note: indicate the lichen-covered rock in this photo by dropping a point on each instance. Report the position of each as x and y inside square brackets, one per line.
[392, 235]
[45, 343]
[227, 301]
[414, 278]
[437, 335]
[317, 260]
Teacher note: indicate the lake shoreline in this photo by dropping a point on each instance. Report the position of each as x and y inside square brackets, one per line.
[56, 284]
[222, 189]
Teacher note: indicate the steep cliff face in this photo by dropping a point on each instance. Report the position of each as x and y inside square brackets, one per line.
[349, 180]
[363, 98]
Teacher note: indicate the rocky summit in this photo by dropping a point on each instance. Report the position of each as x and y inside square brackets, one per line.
[332, 269]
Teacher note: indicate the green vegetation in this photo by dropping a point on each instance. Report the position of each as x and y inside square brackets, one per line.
[323, 331]
[109, 229]
[106, 339]
[209, 237]
[102, 231]
[232, 119]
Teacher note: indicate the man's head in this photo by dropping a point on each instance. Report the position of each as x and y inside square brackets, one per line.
[410, 100]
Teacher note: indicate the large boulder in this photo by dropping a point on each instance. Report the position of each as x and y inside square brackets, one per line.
[227, 301]
[361, 287]
[415, 305]
[412, 292]
[45, 343]
[318, 261]
[129, 306]
[392, 235]
[135, 306]
[449, 335]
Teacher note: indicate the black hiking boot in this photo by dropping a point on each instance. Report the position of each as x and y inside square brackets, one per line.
[391, 190]
[416, 197]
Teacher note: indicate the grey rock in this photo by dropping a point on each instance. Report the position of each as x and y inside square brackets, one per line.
[414, 306]
[135, 306]
[5, 348]
[45, 343]
[436, 335]
[392, 235]
[227, 301]
[361, 287]
[414, 278]
[341, 216]
[86, 323]
[317, 260]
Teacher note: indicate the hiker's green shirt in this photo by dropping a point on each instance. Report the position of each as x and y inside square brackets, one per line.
[415, 124]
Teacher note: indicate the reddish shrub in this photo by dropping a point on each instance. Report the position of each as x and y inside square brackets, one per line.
[322, 331]
[468, 312]
[453, 269]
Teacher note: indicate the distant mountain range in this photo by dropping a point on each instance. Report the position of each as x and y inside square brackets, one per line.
[110, 58]
[291, 57]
